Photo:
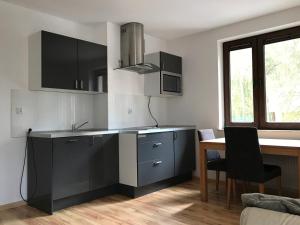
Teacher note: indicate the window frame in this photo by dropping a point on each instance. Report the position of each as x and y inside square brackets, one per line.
[257, 44]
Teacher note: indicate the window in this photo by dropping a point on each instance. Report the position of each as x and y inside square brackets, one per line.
[262, 80]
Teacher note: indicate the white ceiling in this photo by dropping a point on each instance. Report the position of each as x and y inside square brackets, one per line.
[166, 19]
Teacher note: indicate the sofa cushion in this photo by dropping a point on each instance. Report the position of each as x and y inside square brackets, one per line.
[272, 202]
[257, 216]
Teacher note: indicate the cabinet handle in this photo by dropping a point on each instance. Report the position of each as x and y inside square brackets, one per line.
[156, 163]
[76, 84]
[72, 140]
[81, 84]
[96, 136]
[155, 145]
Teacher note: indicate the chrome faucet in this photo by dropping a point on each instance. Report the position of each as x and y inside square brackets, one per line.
[76, 128]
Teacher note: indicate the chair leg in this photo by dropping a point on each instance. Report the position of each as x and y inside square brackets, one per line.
[229, 181]
[217, 180]
[279, 186]
[234, 188]
[261, 188]
[226, 181]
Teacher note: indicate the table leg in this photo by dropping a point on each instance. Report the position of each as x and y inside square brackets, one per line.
[299, 175]
[203, 173]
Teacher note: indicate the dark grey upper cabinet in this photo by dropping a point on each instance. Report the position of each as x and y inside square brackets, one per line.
[71, 160]
[184, 149]
[170, 63]
[69, 63]
[59, 61]
[92, 64]
[104, 166]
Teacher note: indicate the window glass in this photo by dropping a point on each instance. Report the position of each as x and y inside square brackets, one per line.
[282, 76]
[241, 86]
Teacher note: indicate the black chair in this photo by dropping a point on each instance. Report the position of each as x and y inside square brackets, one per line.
[214, 160]
[244, 159]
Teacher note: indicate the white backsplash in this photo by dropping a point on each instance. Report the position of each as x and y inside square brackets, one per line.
[132, 110]
[49, 110]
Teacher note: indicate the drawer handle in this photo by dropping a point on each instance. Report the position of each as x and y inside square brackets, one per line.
[72, 140]
[156, 163]
[155, 145]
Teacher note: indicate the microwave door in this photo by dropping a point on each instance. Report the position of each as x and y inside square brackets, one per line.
[171, 84]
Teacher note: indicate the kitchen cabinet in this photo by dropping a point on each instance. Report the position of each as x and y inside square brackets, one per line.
[92, 65]
[58, 62]
[104, 166]
[71, 157]
[184, 151]
[167, 82]
[155, 158]
[71, 170]
[170, 63]
[152, 161]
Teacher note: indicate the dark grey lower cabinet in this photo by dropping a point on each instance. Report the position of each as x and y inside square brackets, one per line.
[68, 171]
[155, 158]
[104, 166]
[162, 159]
[184, 151]
[71, 160]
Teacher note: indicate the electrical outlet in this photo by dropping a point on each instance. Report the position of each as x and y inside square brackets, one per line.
[19, 110]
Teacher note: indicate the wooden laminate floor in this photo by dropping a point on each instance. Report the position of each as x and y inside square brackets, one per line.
[176, 205]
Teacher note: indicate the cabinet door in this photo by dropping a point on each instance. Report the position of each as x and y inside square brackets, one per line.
[92, 64]
[184, 148]
[171, 63]
[59, 61]
[70, 166]
[104, 168]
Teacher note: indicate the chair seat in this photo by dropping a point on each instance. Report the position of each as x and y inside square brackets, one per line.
[271, 171]
[218, 165]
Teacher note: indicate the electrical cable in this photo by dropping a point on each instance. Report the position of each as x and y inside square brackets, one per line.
[23, 167]
[149, 102]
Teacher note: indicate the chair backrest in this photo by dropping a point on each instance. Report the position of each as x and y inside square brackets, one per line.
[208, 134]
[243, 157]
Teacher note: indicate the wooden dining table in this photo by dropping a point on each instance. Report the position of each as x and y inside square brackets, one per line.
[282, 147]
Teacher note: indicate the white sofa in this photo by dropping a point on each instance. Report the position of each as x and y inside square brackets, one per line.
[257, 216]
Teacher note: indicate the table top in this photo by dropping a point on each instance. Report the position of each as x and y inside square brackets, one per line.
[287, 143]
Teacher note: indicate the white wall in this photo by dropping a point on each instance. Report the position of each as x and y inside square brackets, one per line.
[17, 24]
[203, 79]
[53, 110]
[127, 105]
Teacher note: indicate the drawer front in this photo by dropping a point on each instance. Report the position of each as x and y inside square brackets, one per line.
[156, 170]
[155, 146]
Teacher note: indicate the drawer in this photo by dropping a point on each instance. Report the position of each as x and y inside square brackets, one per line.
[153, 171]
[154, 137]
[154, 146]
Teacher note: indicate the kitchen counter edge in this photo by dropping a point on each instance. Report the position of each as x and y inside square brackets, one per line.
[61, 134]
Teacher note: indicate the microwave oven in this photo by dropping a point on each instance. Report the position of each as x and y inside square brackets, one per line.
[170, 83]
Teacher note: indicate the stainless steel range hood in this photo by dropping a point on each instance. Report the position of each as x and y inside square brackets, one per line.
[133, 49]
